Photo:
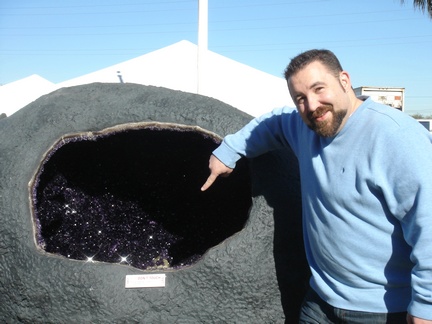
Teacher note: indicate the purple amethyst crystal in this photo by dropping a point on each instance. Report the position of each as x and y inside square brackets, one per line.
[132, 196]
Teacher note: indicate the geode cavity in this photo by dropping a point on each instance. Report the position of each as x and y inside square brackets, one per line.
[130, 194]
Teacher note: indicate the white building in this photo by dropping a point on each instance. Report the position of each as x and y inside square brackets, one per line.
[175, 67]
[15, 95]
[427, 123]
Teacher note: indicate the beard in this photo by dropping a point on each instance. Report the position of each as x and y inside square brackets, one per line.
[326, 128]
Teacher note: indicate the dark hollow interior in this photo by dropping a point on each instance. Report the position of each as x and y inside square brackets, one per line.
[133, 197]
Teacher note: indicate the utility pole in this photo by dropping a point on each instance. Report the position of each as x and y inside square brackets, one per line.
[202, 45]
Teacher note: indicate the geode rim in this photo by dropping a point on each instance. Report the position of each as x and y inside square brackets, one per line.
[93, 136]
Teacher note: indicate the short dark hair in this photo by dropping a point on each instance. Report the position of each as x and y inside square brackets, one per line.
[326, 57]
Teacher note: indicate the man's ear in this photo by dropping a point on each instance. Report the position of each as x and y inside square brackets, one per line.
[345, 80]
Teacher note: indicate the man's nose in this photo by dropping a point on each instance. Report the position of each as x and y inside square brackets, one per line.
[312, 103]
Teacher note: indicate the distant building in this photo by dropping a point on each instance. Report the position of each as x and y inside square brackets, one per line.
[426, 123]
[393, 97]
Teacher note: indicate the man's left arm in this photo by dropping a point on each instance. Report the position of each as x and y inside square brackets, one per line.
[411, 179]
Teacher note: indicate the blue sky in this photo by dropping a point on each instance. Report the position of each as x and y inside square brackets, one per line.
[380, 43]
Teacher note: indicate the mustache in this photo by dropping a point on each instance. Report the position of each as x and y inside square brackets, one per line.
[321, 110]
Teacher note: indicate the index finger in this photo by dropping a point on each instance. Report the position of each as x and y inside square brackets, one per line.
[212, 177]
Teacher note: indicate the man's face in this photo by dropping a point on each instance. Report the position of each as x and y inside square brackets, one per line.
[320, 98]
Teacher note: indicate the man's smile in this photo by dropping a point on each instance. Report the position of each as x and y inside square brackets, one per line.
[319, 114]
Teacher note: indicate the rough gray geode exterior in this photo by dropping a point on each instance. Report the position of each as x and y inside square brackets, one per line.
[235, 282]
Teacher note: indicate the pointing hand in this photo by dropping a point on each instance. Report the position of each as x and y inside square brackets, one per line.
[217, 168]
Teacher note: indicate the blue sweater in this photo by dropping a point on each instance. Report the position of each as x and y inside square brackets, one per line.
[367, 204]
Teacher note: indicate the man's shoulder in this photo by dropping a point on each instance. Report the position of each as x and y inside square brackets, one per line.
[389, 116]
[390, 126]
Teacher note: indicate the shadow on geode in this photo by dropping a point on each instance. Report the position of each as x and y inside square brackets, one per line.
[131, 195]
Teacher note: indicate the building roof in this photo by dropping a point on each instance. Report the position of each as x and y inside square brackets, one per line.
[15, 95]
[176, 67]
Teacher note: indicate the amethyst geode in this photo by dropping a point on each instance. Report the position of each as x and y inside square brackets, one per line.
[130, 194]
[102, 181]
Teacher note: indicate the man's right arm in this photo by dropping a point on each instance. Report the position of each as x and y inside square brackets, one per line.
[259, 136]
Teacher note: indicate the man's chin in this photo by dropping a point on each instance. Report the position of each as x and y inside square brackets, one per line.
[324, 129]
[324, 133]
[329, 127]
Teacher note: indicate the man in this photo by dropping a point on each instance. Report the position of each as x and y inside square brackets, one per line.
[366, 182]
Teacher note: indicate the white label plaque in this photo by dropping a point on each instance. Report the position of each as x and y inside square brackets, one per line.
[145, 281]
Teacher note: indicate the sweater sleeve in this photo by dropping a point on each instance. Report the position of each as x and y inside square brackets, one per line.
[408, 194]
[263, 134]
